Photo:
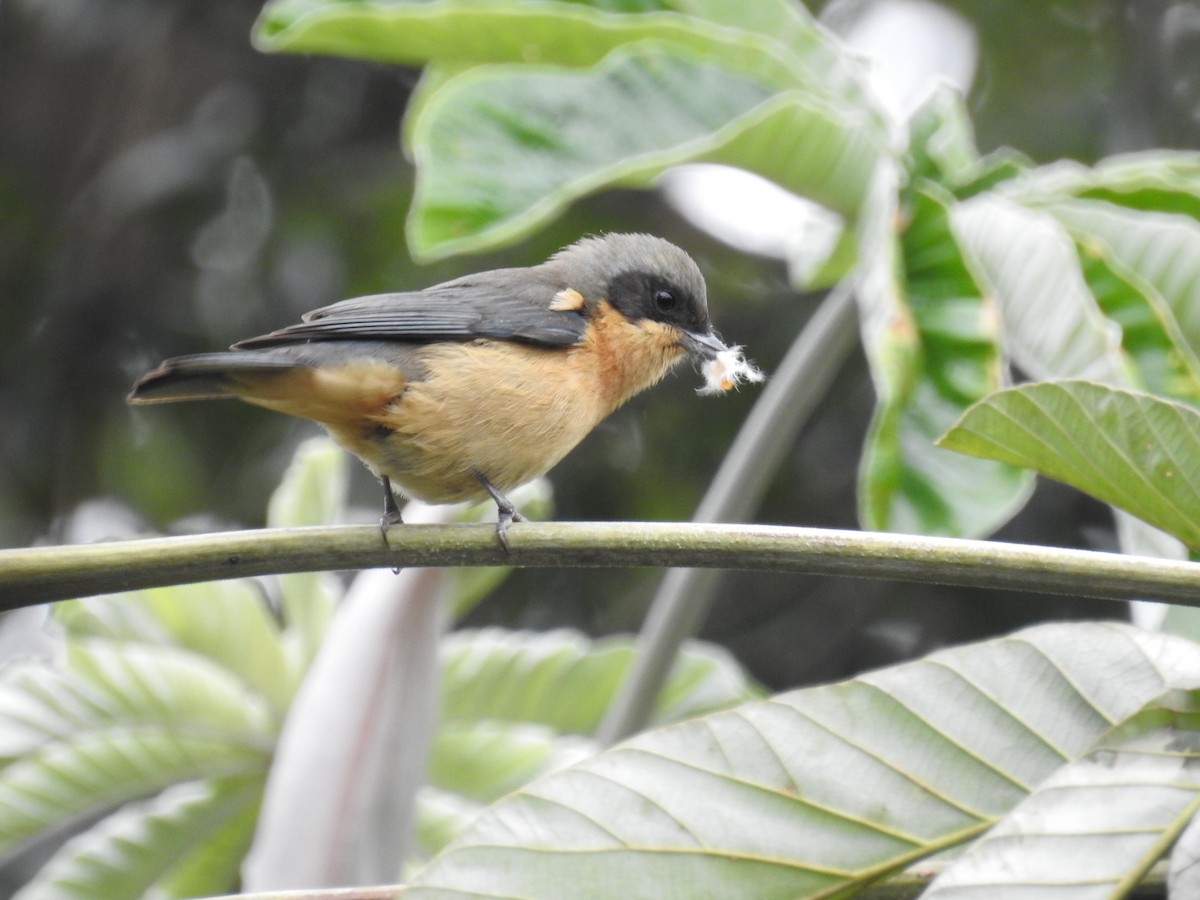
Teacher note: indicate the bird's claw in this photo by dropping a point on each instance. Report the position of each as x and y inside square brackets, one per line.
[506, 512]
[387, 520]
[507, 515]
[391, 512]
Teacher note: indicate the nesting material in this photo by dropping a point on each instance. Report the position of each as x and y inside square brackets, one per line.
[726, 371]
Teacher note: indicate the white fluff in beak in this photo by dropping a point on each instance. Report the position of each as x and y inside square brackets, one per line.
[726, 370]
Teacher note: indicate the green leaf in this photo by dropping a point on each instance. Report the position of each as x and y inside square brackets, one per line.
[787, 22]
[1166, 181]
[1097, 825]
[313, 489]
[646, 88]
[992, 171]
[1132, 450]
[941, 149]
[890, 341]
[118, 723]
[218, 856]
[149, 844]
[312, 492]
[907, 483]
[1158, 253]
[534, 33]
[441, 816]
[574, 33]
[820, 791]
[558, 134]
[1149, 331]
[482, 761]
[515, 703]
[564, 681]
[227, 622]
[1025, 260]
[941, 139]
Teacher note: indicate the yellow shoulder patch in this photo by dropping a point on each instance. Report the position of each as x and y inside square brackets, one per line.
[568, 300]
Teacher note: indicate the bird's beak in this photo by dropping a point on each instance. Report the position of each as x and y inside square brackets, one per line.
[722, 366]
[703, 346]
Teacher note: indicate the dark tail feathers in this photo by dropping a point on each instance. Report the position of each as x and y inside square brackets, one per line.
[204, 376]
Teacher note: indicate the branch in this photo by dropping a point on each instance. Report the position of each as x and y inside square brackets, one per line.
[39, 574]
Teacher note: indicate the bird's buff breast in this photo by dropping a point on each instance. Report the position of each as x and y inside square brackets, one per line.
[510, 412]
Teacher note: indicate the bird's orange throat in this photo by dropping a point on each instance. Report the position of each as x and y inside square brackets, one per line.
[627, 357]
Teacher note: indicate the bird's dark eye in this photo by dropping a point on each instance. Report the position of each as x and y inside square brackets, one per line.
[664, 300]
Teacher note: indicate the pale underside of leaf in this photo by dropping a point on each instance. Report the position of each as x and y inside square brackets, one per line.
[1151, 180]
[1150, 333]
[816, 791]
[225, 622]
[156, 843]
[563, 680]
[121, 724]
[1027, 262]
[1160, 250]
[1092, 829]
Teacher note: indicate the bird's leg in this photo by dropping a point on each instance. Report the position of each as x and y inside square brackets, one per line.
[507, 512]
[391, 512]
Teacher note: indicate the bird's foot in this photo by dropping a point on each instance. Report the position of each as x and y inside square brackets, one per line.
[506, 517]
[391, 512]
[506, 512]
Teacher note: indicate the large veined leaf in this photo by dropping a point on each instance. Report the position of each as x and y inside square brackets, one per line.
[1165, 181]
[817, 791]
[230, 622]
[1160, 250]
[312, 492]
[1129, 449]
[1150, 334]
[941, 139]
[117, 724]
[560, 33]
[558, 134]
[565, 98]
[226, 621]
[1095, 826]
[440, 816]
[779, 33]
[560, 679]
[517, 705]
[1027, 262]
[908, 484]
[482, 761]
[159, 847]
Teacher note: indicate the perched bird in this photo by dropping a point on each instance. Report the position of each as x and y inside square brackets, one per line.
[470, 388]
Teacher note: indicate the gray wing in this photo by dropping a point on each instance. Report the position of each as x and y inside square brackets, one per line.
[505, 304]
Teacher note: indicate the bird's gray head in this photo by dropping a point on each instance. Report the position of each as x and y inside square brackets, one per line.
[642, 276]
